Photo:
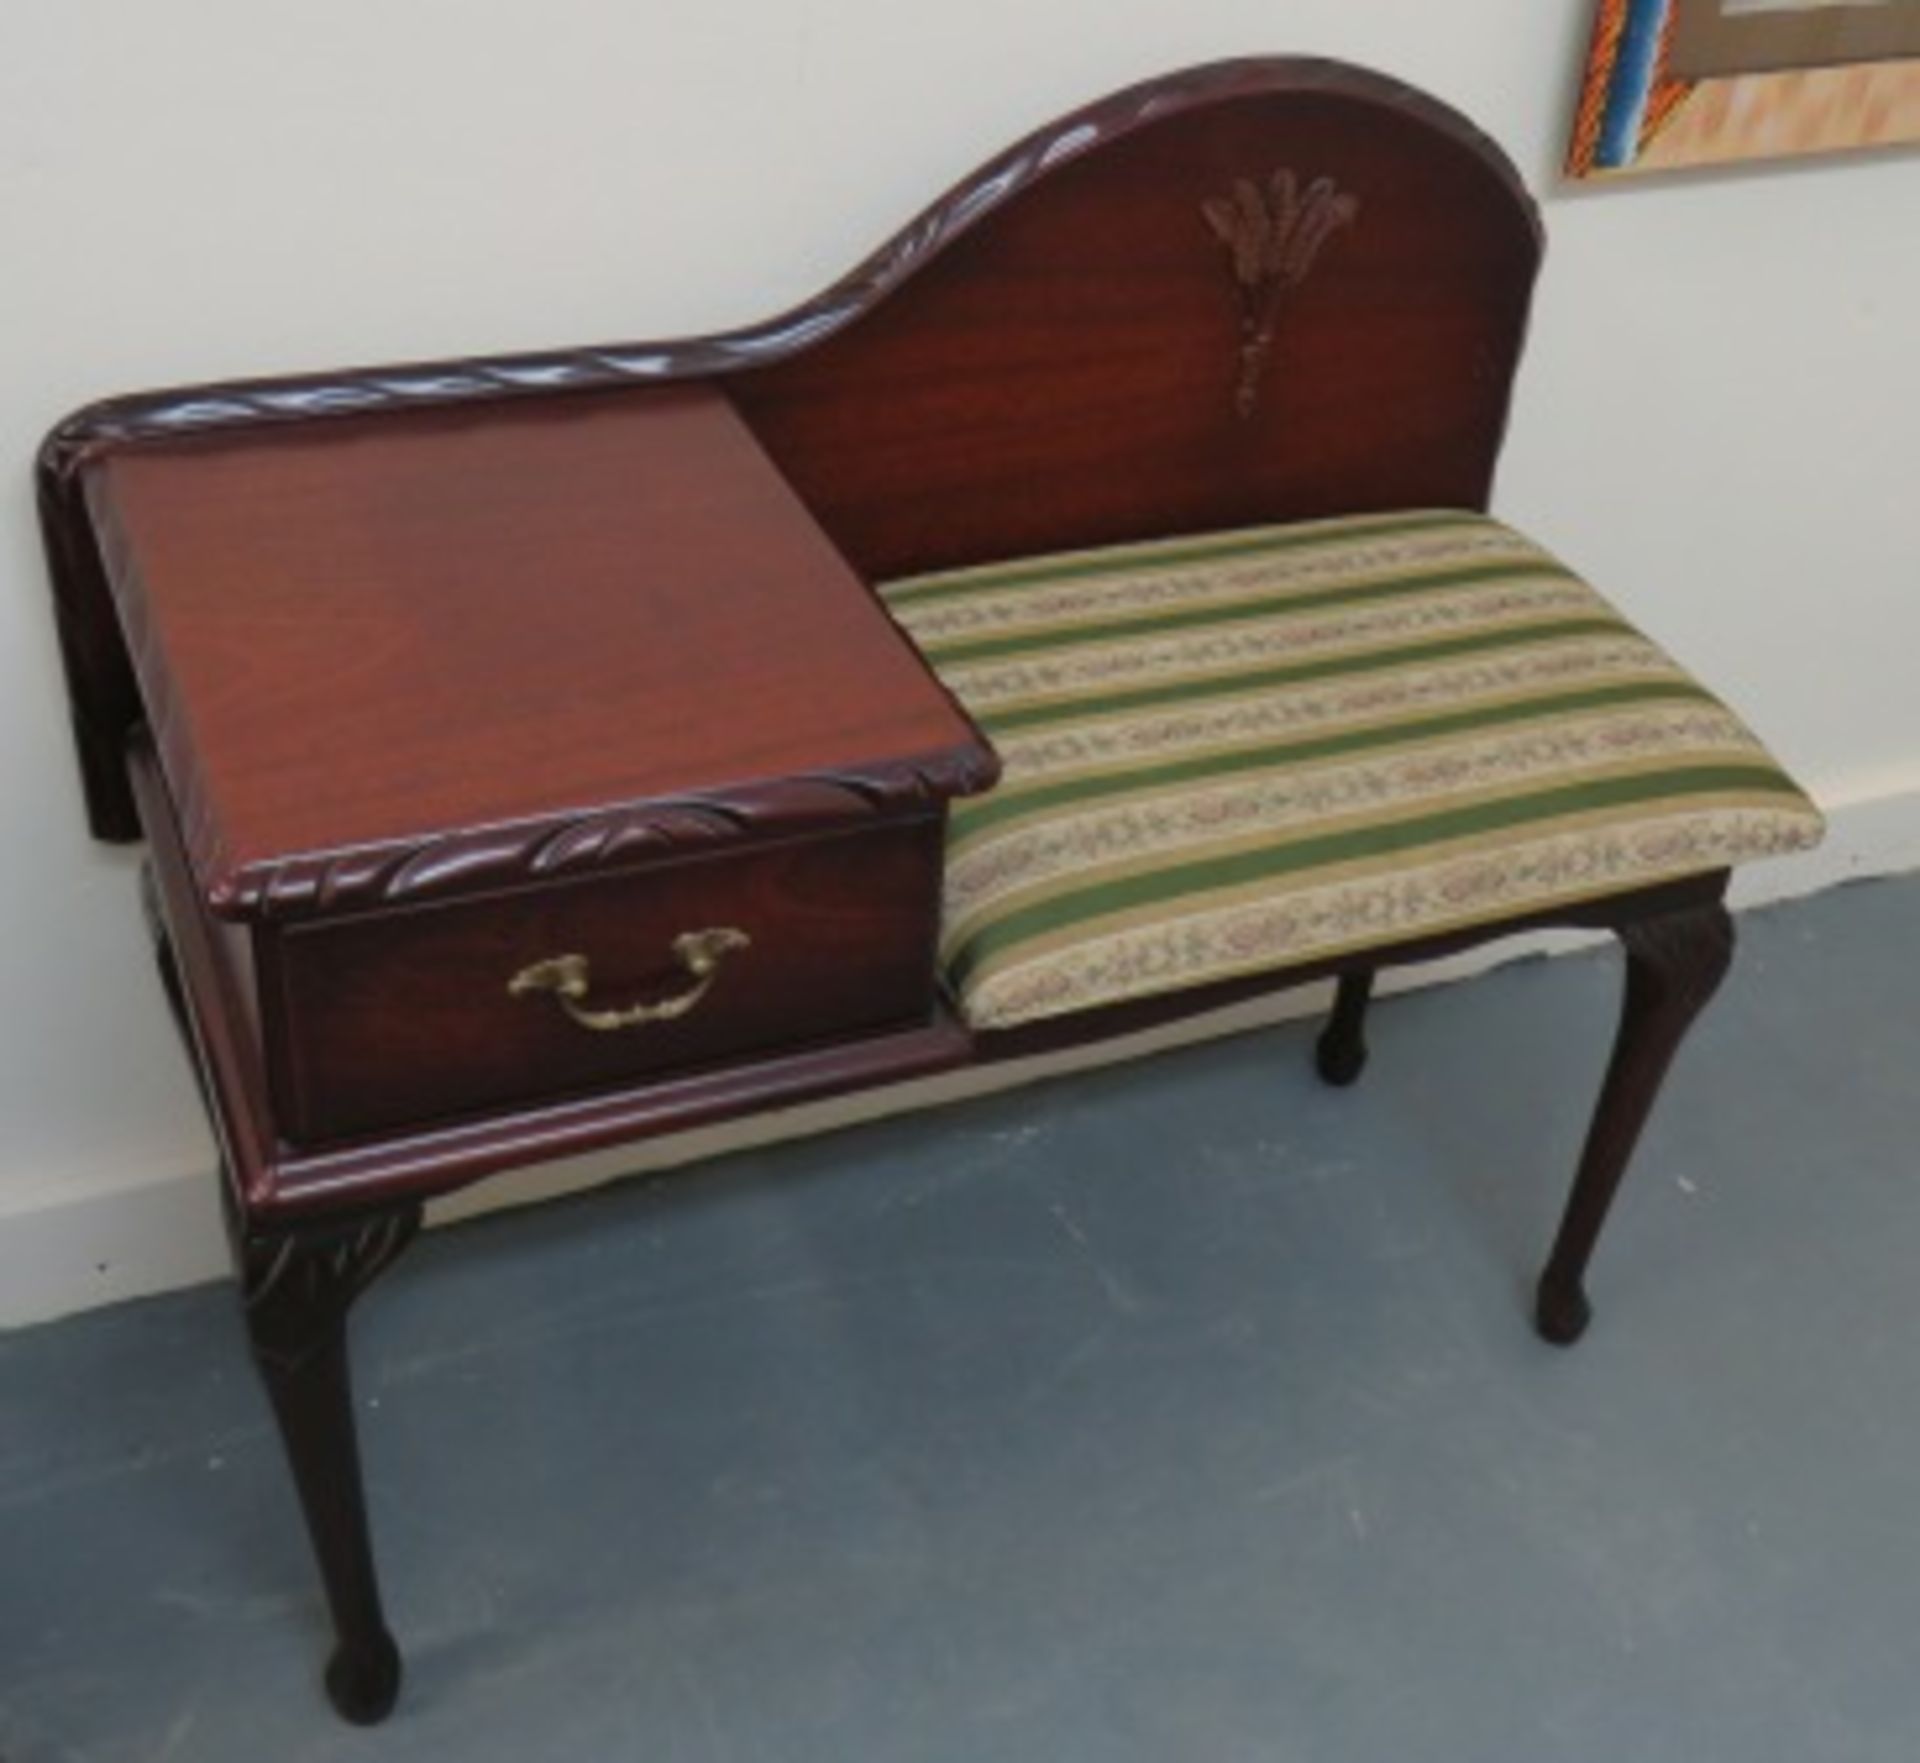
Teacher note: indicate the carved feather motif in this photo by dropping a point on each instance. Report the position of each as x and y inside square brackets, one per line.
[1273, 236]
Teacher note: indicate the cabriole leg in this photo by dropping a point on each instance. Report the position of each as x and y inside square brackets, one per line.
[299, 1286]
[1675, 964]
[1340, 1055]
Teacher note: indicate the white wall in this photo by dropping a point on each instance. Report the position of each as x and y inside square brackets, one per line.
[1718, 418]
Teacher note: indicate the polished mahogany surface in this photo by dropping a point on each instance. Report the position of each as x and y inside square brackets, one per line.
[388, 1019]
[605, 624]
[627, 643]
[1047, 356]
[274, 1183]
[1069, 374]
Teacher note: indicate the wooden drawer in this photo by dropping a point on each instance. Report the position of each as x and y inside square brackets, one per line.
[405, 1017]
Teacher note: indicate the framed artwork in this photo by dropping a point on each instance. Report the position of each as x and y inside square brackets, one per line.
[1699, 82]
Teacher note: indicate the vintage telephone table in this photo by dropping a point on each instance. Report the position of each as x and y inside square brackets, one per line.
[542, 753]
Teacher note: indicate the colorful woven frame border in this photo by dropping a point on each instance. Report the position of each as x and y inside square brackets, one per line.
[1626, 95]
[1635, 114]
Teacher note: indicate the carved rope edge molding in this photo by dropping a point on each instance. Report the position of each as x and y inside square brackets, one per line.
[103, 700]
[295, 398]
[1273, 235]
[462, 862]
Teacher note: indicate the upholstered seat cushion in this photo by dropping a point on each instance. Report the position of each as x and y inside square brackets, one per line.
[1256, 748]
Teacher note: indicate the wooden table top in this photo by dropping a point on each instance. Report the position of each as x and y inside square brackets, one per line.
[365, 635]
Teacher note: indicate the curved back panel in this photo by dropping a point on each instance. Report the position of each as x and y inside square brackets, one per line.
[1258, 291]
[1146, 320]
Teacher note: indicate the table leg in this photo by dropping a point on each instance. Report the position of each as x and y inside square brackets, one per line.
[298, 1283]
[1674, 966]
[299, 1286]
[1340, 1055]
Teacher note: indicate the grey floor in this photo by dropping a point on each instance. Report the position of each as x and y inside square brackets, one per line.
[1181, 1411]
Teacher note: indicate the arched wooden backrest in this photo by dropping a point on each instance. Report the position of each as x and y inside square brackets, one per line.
[1113, 332]
[1258, 291]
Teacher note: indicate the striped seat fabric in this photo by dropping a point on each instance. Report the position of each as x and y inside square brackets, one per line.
[1247, 750]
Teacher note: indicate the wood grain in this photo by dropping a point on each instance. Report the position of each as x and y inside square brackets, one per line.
[275, 1183]
[429, 653]
[1044, 357]
[1067, 375]
[389, 1020]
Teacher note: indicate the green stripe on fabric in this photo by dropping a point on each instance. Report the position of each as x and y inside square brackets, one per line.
[1188, 881]
[1098, 701]
[1270, 605]
[1116, 559]
[1000, 806]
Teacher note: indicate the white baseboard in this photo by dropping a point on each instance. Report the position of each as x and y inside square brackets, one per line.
[1871, 830]
[80, 1246]
[87, 1245]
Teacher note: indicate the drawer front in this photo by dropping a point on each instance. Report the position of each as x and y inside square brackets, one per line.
[434, 1012]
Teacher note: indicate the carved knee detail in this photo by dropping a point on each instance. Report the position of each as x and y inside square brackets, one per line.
[297, 1286]
[1680, 959]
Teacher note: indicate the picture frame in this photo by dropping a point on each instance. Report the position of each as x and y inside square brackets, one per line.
[1677, 83]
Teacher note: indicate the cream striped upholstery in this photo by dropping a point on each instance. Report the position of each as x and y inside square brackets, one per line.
[1256, 748]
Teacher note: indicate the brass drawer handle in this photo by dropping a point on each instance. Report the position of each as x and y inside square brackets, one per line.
[565, 976]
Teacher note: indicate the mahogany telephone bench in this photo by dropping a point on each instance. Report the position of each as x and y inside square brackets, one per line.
[1082, 615]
